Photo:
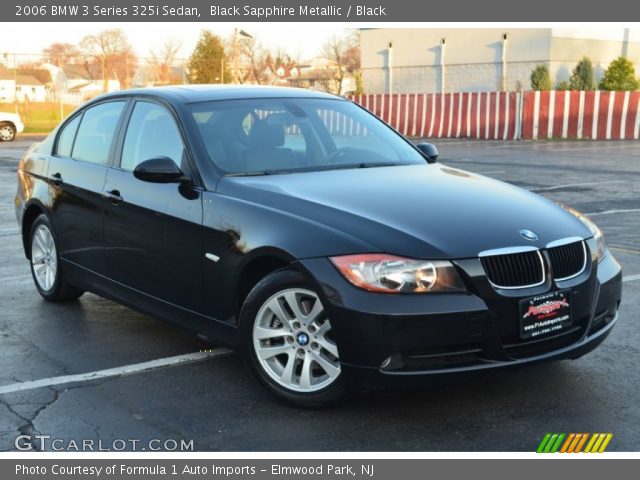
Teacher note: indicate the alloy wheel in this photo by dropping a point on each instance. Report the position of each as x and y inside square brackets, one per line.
[293, 342]
[43, 257]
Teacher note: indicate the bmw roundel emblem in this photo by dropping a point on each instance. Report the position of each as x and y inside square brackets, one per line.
[303, 339]
[529, 234]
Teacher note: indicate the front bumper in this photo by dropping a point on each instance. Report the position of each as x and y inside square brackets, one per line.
[392, 341]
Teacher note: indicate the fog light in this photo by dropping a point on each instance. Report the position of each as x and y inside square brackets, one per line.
[386, 362]
[394, 362]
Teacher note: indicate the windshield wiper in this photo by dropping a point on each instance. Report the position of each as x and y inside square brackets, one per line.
[253, 174]
[318, 168]
[378, 164]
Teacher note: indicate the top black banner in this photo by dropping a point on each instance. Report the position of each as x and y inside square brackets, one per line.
[318, 11]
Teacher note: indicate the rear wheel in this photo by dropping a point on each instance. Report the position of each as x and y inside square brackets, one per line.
[45, 263]
[7, 132]
[287, 341]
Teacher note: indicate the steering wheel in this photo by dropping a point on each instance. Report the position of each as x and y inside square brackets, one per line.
[339, 154]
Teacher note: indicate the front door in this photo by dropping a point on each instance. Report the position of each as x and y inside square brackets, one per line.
[153, 231]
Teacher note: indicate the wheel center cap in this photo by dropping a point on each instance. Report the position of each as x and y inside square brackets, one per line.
[303, 339]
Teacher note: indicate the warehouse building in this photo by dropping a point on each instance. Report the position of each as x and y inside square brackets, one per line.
[406, 60]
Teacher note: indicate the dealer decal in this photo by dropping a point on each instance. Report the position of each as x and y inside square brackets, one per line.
[546, 308]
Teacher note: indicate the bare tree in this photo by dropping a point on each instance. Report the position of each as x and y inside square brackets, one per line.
[257, 61]
[162, 59]
[61, 54]
[343, 53]
[111, 49]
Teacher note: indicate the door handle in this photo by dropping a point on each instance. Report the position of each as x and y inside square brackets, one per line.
[56, 179]
[113, 196]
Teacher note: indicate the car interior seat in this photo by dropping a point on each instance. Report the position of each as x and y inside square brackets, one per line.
[266, 149]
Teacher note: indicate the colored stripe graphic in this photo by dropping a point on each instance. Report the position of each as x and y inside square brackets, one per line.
[581, 443]
[566, 445]
[550, 443]
[543, 443]
[574, 443]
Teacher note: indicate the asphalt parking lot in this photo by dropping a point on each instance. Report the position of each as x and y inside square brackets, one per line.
[215, 403]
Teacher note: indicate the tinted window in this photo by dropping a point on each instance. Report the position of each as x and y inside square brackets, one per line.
[152, 133]
[283, 135]
[96, 132]
[65, 140]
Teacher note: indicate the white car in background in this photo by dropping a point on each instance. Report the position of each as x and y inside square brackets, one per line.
[10, 125]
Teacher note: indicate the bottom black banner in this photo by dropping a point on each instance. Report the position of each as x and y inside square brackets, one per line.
[380, 469]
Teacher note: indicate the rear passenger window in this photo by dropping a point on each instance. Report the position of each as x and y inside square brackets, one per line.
[65, 139]
[96, 132]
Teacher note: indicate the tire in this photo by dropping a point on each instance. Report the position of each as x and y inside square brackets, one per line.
[44, 260]
[303, 369]
[7, 132]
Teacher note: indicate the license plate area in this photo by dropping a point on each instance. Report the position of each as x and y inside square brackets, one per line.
[545, 314]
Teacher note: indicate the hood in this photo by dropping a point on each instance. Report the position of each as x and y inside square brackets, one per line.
[422, 211]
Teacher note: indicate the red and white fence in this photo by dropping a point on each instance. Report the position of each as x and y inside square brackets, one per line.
[510, 115]
[595, 115]
[491, 115]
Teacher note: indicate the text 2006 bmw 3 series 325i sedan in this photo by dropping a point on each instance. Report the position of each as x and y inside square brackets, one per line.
[300, 229]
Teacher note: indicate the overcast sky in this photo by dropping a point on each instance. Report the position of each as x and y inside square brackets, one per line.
[303, 40]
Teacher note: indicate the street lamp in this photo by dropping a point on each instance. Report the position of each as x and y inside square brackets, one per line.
[234, 53]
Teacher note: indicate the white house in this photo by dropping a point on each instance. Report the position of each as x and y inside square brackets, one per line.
[29, 88]
[7, 85]
[87, 78]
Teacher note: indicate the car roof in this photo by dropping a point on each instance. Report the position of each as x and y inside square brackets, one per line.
[204, 93]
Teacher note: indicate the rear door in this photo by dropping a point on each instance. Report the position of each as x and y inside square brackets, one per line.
[76, 175]
[153, 231]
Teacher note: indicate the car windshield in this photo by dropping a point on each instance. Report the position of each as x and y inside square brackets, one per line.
[265, 136]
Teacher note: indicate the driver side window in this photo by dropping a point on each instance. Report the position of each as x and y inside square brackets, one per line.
[152, 133]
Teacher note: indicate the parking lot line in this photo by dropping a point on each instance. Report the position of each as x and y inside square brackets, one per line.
[15, 278]
[114, 372]
[630, 278]
[568, 185]
[617, 210]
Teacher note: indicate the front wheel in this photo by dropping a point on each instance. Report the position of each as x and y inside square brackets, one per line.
[286, 340]
[7, 132]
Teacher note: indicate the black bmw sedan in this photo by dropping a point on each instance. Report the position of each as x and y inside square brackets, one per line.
[301, 230]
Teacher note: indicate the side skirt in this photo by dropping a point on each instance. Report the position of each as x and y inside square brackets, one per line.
[218, 332]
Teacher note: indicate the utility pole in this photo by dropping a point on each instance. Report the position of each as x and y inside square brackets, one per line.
[443, 43]
[234, 57]
[503, 83]
[234, 53]
[390, 69]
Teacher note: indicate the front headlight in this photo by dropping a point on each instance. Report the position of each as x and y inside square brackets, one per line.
[601, 247]
[390, 274]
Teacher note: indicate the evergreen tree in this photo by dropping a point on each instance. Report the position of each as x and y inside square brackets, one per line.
[540, 78]
[208, 62]
[583, 77]
[620, 75]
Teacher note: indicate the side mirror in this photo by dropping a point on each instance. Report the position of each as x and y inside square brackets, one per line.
[429, 150]
[158, 170]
